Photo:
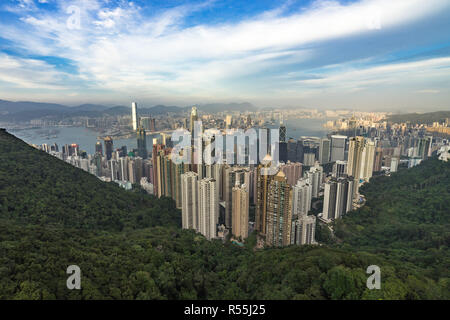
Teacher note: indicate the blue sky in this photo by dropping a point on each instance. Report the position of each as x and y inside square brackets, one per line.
[363, 55]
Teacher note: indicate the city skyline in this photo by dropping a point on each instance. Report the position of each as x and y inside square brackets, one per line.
[322, 54]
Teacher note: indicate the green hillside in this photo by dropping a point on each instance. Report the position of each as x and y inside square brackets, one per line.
[130, 245]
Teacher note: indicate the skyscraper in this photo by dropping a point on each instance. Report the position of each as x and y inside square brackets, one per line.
[264, 178]
[338, 198]
[194, 117]
[338, 147]
[142, 142]
[324, 151]
[208, 206]
[303, 230]
[240, 206]
[189, 199]
[108, 147]
[134, 116]
[339, 169]
[315, 176]
[279, 212]
[302, 195]
[367, 160]
[99, 148]
[293, 172]
[232, 175]
[355, 151]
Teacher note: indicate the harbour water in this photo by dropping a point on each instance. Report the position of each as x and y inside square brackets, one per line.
[87, 138]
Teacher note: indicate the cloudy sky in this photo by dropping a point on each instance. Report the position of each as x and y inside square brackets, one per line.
[366, 54]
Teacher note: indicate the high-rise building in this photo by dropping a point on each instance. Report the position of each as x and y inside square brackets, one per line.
[231, 177]
[309, 159]
[228, 120]
[378, 159]
[279, 212]
[99, 148]
[355, 151]
[208, 208]
[338, 198]
[324, 151]
[339, 169]
[303, 230]
[240, 207]
[367, 160]
[394, 164]
[282, 132]
[157, 149]
[194, 117]
[142, 143]
[293, 172]
[263, 179]
[338, 147]
[189, 199]
[134, 116]
[301, 197]
[108, 147]
[315, 176]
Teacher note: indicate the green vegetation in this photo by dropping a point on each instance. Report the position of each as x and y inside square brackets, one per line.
[420, 118]
[130, 246]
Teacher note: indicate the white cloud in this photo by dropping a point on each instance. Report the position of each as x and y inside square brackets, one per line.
[119, 49]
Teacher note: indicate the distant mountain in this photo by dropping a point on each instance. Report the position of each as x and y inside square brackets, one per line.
[21, 106]
[25, 111]
[420, 118]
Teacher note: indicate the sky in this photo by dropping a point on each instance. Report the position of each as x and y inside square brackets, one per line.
[377, 55]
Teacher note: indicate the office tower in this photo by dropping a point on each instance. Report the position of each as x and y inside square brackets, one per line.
[367, 160]
[339, 169]
[240, 206]
[324, 151]
[338, 147]
[142, 143]
[189, 199]
[134, 116]
[208, 202]
[145, 122]
[301, 197]
[194, 117]
[303, 230]
[293, 172]
[99, 148]
[315, 176]
[355, 151]
[228, 121]
[378, 159]
[394, 164]
[309, 159]
[232, 175]
[108, 147]
[299, 151]
[279, 212]
[282, 152]
[292, 150]
[338, 198]
[282, 132]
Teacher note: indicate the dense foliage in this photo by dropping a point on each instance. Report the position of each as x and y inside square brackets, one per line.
[420, 118]
[129, 245]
